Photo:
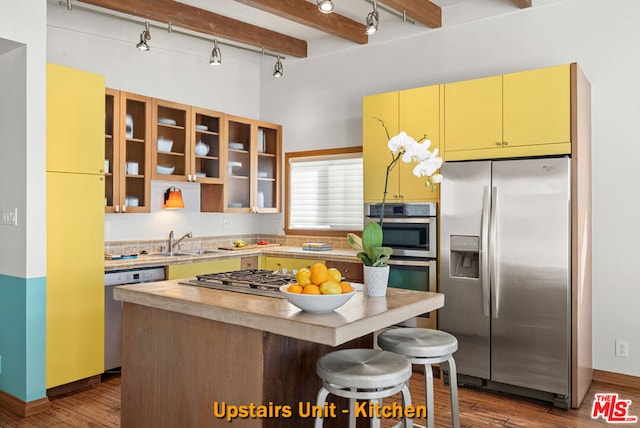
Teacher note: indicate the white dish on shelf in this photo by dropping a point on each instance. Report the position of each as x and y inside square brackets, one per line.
[236, 146]
[131, 201]
[164, 145]
[235, 205]
[165, 169]
[202, 149]
[166, 121]
[202, 127]
[201, 174]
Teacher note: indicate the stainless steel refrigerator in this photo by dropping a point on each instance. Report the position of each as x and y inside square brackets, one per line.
[506, 274]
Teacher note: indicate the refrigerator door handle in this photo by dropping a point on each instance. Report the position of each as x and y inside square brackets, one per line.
[493, 243]
[484, 254]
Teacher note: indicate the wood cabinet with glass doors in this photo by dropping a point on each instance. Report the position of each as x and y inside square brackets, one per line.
[170, 135]
[251, 169]
[519, 114]
[206, 145]
[414, 111]
[127, 152]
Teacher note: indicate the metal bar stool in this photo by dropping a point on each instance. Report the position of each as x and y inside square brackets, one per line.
[365, 374]
[426, 347]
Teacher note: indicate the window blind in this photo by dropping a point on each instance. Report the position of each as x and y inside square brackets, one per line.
[325, 193]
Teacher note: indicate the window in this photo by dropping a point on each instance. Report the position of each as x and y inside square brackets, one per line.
[324, 191]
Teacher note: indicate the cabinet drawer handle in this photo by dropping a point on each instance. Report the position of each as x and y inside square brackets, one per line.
[499, 144]
[505, 143]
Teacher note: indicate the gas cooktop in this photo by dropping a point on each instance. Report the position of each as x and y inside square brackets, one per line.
[249, 281]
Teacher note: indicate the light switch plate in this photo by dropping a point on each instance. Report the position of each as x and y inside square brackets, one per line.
[10, 216]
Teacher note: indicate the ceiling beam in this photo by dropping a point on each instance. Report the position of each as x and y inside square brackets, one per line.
[206, 22]
[422, 11]
[522, 3]
[306, 13]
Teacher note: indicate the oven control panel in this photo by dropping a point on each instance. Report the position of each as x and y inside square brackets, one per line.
[423, 209]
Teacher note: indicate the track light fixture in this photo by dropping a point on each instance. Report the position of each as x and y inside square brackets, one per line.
[325, 6]
[372, 20]
[278, 70]
[216, 56]
[145, 36]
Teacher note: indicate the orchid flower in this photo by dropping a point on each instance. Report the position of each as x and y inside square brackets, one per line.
[401, 143]
[418, 152]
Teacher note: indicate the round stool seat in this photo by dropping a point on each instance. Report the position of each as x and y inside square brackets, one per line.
[364, 368]
[418, 342]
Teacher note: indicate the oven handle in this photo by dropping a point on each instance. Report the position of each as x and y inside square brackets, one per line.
[404, 220]
[410, 262]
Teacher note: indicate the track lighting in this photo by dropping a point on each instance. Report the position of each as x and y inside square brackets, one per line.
[372, 20]
[325, 6]
[216, 56]
[278, 70]
[145, 36]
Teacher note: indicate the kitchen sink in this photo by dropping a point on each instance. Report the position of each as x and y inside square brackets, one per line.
[200, 251]
[169, 254]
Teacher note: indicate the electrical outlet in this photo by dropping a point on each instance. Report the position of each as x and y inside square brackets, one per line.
[622, 348]
[226, 224]
[10, 216]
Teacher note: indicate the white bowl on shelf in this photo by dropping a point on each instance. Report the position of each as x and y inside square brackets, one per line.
[166, 121]
[164, 145]
[235, 205]
[131, 201]
[165, 169]
[202, 149]
[202, 127]
[316, 303]
[236, 146]
[201, 174]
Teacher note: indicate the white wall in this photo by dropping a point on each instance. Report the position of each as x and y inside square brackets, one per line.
[599, 35]
[176, 68]
[23, 137]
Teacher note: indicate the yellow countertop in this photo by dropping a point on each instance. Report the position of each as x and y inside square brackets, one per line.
[361, 315]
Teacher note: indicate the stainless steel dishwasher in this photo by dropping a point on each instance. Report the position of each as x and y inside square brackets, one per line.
[113, 310]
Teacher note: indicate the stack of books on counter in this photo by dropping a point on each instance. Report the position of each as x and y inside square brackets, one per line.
[317, 246]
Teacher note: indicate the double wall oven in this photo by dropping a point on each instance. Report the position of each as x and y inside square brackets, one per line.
[411, 230]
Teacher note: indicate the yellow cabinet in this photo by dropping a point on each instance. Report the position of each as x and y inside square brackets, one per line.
[419, 116]
[75, 237]
[414, 111]
[127, 152]
[71, 98]
[518, 114]
[288, 263]
[199, 268]
[375, 152]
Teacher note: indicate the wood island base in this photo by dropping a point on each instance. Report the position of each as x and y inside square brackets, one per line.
[177, 367]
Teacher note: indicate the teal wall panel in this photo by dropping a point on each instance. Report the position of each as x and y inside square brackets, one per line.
[23, 337]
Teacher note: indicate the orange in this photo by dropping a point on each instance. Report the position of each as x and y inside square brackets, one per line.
[303, 276]
[319, 273]
[346, 287]
[295, 288]
[335, 274]
[311, 289]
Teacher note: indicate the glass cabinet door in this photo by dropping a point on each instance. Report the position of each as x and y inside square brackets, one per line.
[207, 137]
[238, 170]
[135, 171]
[111, 149]
[171, 148]
[268, 155]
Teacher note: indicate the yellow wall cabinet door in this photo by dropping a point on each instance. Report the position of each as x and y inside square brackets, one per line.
[375, 152]
[288, 263]
[75, 277]
[473, 114]
[419, 116]
[75, 112]
[192, 269]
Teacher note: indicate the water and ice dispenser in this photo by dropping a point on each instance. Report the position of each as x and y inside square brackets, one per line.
[465, 256]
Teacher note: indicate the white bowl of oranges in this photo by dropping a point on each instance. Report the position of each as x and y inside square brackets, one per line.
[318, 290]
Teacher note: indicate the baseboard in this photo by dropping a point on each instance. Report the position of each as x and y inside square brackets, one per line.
[619, 379]
[71, 387]
[23, 408]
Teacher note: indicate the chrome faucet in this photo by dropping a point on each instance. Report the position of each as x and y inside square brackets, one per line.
[172, 244]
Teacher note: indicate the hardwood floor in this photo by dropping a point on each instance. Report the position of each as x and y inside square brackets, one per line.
[100, 407]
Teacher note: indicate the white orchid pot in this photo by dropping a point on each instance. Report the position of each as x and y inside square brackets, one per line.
[376, 280]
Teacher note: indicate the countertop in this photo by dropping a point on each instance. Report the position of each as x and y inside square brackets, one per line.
[152, 260]
[361, 315]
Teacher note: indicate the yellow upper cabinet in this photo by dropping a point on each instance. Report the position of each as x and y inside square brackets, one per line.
[519, 114]
[419, 116]
[473, 114]
[75, 120]
[375, 152]
[537, 106]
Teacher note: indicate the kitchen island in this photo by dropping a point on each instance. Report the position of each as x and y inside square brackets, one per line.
[192, 356]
